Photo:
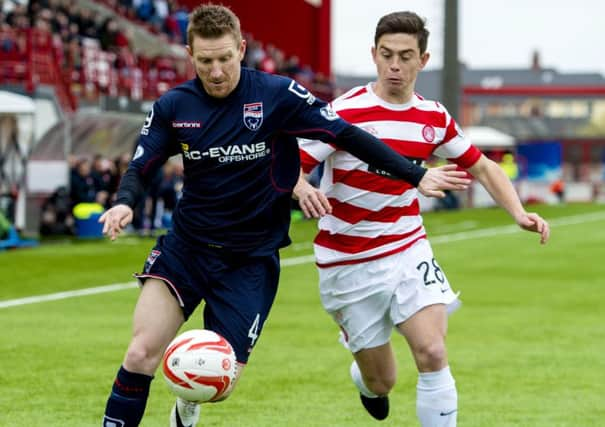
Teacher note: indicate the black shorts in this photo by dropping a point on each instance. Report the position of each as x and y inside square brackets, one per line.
[238, 290]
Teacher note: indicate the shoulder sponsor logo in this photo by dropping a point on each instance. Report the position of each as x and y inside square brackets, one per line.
[253, 115]
[147, 124]
[302, 92]
[428, 133]
[186, 125]
[328, 113]
[138, 152]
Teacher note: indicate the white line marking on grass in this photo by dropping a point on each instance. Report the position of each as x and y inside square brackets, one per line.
[514, 228]
[307, 259]
[67, 294]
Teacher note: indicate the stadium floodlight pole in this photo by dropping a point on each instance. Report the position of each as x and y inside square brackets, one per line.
[450, 76]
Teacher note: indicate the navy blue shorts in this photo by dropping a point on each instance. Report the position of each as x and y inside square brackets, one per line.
[238, 290]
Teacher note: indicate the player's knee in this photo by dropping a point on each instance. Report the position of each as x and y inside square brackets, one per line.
[139, 358]
[380, 385]
[432, 356]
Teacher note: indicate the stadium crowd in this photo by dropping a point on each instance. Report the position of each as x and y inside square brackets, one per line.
[95, 180]
[96, 54]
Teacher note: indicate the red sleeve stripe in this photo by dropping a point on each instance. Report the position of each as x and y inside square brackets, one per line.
[469, 158]
[370, 182]
[450, 132]
[357, 244]
[354, 214]
[307, 162]
[380, 114]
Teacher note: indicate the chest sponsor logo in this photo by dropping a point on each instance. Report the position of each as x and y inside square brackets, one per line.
[186, 125]
[253, 115]
[428, 133]
[228, 153]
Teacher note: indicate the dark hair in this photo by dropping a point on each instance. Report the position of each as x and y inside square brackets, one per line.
[403, 22]
[213, 21]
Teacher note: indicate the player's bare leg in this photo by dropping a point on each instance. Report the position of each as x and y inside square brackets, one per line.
[437, 398]
[374, 372]
[157, 318]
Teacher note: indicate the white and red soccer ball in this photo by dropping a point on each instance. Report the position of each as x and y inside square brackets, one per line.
[200, 366]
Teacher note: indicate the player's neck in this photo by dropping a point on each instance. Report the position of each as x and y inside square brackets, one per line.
[393, 97]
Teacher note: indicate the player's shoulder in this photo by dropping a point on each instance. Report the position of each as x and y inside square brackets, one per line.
[355, 97]
[176, 95]
[425, 104]
[265, 80]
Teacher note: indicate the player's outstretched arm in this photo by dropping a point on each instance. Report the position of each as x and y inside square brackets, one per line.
[115, 220]
[313, 203]
[495, 181]
[445, 177]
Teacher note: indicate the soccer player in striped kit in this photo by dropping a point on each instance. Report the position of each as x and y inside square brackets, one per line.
[376, 267]
[233, 127]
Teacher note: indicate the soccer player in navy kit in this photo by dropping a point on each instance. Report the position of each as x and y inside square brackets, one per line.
[235, 129]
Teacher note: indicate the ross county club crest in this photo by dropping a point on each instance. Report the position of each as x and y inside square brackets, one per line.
[253, 115]
[153, 255]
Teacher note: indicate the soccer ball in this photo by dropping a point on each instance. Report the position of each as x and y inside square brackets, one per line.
[200, 366]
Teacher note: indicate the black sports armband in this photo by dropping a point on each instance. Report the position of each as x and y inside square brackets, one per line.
[379, 155]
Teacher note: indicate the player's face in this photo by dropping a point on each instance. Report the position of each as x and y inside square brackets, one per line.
[398, 61]
[217, 63]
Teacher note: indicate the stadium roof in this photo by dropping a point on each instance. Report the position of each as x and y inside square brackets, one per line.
[14, 103]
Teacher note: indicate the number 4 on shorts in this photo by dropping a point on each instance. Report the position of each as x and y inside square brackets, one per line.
[253, 332]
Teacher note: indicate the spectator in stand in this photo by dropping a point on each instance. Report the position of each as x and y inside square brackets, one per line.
[292, 67]
[56, 217]
[109, 34]
[161, 13]
[81, 184]
[83, 17]
[171, 27]
[181, 16]
[254, 54]
[120, 164]
[144, 9]
[268, 63]
[101, 174]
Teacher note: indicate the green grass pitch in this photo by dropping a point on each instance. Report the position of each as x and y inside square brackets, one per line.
[526, 349]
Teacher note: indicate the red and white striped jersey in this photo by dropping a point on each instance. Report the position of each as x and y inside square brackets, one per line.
[373, 214]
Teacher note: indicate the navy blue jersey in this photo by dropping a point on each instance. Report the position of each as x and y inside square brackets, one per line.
[240, 157]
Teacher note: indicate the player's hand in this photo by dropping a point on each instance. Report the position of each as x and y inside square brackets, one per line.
[115, 219]
[537, 224]
[445, 177]
[313, 203]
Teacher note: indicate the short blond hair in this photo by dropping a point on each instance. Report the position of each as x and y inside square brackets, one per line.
[212, 21]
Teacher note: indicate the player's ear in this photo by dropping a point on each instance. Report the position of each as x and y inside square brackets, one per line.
[242, 49]
[373, 51]
[424, 58]
[189, 51]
